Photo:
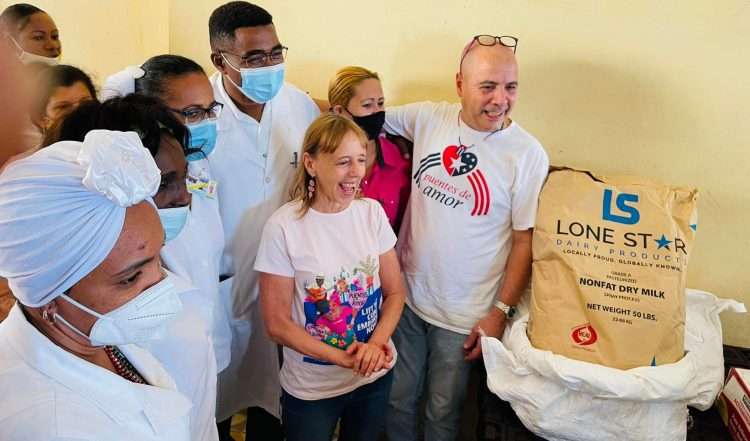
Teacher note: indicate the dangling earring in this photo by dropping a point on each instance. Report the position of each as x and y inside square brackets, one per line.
[46, 317]
[311, 187]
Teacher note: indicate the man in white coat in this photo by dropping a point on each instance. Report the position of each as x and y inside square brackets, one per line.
[260, 133]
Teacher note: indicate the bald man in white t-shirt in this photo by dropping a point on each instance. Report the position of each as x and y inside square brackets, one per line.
[465, 246]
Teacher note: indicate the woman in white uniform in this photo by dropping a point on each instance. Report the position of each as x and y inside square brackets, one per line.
[195, 253]
[187, 351]
[80, 246]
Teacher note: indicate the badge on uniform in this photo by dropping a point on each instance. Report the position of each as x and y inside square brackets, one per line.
[201, 186]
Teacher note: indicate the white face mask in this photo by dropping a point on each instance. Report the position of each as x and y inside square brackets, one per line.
[142, 319]
[28, 57]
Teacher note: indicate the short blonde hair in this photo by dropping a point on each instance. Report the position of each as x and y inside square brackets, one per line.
[323, 136]
[341, 87]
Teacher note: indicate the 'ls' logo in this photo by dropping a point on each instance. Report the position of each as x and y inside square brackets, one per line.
[630, 214]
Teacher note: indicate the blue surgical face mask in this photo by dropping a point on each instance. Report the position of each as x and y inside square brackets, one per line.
[260, 84]
[203, 137]
[173, 220]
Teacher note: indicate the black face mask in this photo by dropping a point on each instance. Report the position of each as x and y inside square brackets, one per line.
[372, 124]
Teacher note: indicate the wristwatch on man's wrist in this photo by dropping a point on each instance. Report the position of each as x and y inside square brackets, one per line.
[508, 310]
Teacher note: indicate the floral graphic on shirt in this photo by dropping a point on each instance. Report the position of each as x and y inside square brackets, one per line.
[457, 162]
[343, 308]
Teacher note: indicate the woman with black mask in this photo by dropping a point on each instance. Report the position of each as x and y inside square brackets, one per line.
[356, 93]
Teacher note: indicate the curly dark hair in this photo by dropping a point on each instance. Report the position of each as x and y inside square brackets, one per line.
[238, 14]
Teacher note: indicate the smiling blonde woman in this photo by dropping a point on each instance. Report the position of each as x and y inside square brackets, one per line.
[331, 291]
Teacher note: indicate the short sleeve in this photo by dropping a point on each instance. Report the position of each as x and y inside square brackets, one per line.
[525, 195]
[385, 235]
[273, 252]
[402, 120]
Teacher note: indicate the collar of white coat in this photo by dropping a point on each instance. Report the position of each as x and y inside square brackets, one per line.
[117, 397]
[228, 119]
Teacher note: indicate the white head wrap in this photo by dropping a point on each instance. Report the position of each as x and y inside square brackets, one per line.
[63, 208]
[121, 83]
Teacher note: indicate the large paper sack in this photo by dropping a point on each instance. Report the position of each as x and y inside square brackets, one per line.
[610, 267]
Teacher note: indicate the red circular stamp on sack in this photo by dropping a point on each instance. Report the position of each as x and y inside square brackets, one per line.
[584, 335]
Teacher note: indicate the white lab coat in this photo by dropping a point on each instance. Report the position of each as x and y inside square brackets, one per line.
[49, 394]
[195, 255]
[255, 164]
[187, 355]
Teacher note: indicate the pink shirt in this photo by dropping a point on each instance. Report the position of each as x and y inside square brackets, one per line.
[390, 184]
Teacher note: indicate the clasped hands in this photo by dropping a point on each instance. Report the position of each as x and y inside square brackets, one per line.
[365, 358]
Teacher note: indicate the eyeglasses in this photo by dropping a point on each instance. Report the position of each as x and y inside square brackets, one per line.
[196, 114]
[491, 40]
[261, 58]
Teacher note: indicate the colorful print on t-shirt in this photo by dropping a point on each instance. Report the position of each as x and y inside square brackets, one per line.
[343, 308]
[458, 163]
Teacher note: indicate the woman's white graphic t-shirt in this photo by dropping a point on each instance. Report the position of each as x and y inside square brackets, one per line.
[334, 260]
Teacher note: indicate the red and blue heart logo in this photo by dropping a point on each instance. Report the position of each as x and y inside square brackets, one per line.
[457, 161]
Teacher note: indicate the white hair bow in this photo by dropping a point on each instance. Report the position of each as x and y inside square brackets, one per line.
[119, 167]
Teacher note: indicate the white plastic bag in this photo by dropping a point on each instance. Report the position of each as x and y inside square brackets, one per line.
[563, 399]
